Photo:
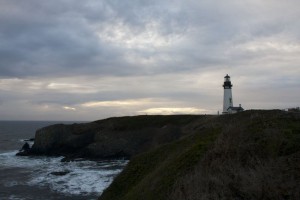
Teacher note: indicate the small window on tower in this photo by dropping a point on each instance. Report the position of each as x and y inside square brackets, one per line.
[230, 100]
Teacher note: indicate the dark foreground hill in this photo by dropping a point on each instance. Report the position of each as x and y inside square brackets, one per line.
[250, 155]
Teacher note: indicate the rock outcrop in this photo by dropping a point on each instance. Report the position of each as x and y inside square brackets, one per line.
[111, 138]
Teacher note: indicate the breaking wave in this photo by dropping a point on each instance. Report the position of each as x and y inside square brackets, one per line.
[70, 178]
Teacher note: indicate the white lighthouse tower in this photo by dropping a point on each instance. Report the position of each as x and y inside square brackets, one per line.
[227, 101]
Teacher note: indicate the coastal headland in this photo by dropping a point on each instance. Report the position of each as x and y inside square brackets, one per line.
[249, 155]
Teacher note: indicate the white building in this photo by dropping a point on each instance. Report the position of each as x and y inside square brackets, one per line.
[232, 109]
[227, 100]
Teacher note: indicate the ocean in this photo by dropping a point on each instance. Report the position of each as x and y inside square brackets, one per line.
[36, 178]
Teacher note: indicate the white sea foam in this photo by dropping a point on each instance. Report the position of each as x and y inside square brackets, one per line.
[26, 140]
[82, 177]
[10, 160]
[14, 197]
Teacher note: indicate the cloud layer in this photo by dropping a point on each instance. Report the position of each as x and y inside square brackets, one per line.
[57, 58]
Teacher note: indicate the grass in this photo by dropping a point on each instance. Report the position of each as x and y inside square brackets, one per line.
[250, 155]
[152, 175]
[256, 159]
[142, 121]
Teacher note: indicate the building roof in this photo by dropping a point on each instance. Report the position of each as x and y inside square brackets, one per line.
[235, 108]
[227, 76]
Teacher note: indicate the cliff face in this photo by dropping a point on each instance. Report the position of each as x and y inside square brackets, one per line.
[62, 139]
[249, 155]
[110, 138]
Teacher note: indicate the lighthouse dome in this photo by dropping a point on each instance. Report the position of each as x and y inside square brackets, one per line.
[227, 82]
[226, 78]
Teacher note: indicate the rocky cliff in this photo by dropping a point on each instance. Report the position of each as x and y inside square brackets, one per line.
[249, 155]
[111, 138]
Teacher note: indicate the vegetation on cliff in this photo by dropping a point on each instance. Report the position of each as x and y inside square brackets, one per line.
[250, 155]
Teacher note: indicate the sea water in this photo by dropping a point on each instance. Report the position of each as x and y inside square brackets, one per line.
[26, 178]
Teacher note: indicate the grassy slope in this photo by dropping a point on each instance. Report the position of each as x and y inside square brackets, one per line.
[166, 172]
[142, 121]
[256, 157]
[151, 175]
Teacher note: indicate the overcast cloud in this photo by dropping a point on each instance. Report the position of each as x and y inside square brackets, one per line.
[87, 60]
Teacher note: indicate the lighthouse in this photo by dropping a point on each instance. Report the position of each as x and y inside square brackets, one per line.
[227, 101]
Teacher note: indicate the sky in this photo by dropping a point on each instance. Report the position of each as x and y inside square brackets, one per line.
[89, 60]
